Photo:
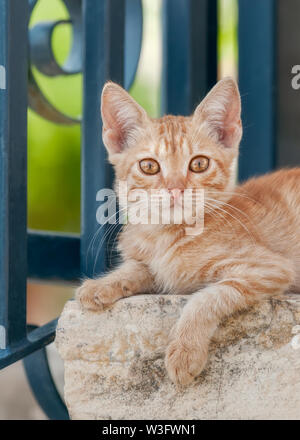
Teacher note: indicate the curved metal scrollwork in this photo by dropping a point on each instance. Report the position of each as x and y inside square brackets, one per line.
[43, 58]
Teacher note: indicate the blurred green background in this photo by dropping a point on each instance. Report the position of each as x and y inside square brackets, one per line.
[54, 151]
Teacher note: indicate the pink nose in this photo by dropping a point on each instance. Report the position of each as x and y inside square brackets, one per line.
[176, 193]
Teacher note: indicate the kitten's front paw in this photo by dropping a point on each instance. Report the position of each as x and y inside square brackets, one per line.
[184, 363]
[97, 294]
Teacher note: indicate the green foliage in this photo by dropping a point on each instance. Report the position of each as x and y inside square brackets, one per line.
[53, 150]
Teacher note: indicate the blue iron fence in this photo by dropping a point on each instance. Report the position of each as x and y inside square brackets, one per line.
[257, 76]
[107, 36]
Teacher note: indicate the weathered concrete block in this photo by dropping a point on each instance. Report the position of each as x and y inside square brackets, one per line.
[114, 366]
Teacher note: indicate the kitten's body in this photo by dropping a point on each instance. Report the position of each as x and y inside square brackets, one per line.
[250, 245]
[264, 215]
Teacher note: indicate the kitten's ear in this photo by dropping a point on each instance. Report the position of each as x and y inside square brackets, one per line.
[122, 117]
[221, 111]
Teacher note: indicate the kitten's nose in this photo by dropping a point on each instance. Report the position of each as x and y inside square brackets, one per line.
[175, 193]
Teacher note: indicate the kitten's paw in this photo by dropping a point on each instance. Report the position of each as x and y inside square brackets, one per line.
[97, 294]
[184, 363]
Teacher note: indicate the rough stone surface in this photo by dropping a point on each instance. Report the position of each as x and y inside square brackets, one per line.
[114, 366]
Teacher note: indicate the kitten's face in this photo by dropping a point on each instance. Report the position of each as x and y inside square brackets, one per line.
[163, 158]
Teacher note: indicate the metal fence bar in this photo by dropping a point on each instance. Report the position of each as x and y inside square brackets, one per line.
[190, 53]
[13, 168]
[257, 80]
[103, 59]
[53, 256]
[36, 339]
[43, 386]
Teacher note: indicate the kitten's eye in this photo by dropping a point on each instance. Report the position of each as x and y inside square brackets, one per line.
[199, 164]
[149, 166]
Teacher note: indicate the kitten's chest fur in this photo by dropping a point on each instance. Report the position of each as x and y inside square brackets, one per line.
[178, 262]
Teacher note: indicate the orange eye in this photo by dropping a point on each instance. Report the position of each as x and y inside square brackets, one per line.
[199, 164]
[149, 166]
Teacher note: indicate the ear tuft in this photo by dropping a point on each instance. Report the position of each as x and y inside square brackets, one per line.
[122, 117]
[221, 112]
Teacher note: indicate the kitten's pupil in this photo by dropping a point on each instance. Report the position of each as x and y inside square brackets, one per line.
[199, 164]
[149, 166]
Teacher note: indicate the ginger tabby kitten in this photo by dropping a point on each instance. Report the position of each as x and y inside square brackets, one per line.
[250, 245]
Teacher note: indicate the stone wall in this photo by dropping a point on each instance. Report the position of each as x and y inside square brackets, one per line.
[114, 366]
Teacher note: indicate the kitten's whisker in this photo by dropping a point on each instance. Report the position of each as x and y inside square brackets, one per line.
[243, 226]
[218, 214]
[114, 242]
[230, 206]
[91, 245]
[109, 231]
[233, 193]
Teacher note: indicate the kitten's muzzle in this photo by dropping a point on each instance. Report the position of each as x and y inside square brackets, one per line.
[176, 195]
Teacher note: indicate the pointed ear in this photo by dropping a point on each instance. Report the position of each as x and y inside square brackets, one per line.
[221, 112]
[122, 118]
